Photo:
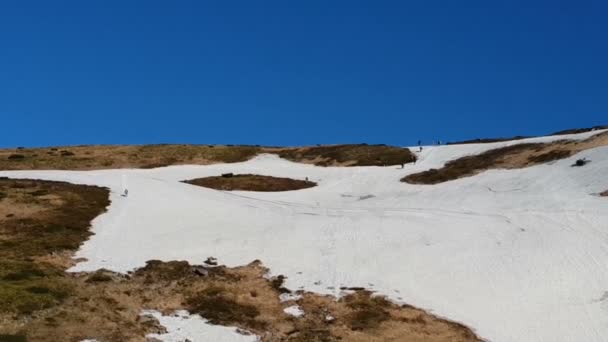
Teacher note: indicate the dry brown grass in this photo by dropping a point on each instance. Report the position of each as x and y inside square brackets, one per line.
[349, 155]
[132, 156]
[40, 223]
[244, 298]
[40, 218]
[92, 157]
[510, 157]
[550, 156]
[249, 182]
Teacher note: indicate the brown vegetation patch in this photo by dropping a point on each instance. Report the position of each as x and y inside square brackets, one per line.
[604, 194]
[93, 157]
[107, 308]
[549, 156]
[349, 155]
[509, 157]
[38, 221]
[220, 308]
[44, 217]
[367, 312]
[249, 182]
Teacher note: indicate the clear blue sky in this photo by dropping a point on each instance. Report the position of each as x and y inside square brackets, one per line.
[298, 72]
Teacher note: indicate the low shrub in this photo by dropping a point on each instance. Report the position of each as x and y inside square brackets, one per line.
[277, 284]
[216, 305]
[40, 192]
[16, 157]
[166, 271]
[12, 338]
[99, 277]
[550, 156]
[367, 312]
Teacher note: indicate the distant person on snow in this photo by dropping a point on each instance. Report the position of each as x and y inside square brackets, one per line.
[125, 192]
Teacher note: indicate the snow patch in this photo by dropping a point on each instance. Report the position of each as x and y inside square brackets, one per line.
[181, 326]
[286, 297]
[294, 311]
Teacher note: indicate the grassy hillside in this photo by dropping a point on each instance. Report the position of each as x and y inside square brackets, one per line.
[92, 157]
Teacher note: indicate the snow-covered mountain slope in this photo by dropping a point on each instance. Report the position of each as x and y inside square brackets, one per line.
[517, 255]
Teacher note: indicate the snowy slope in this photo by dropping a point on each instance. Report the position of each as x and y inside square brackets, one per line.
[518, 255]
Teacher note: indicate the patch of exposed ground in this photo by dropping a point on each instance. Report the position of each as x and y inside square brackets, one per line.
[249, 182]
[92, 157]
[510, 157]
[41, 224]
[604, 194]
[39, 301]
[349, 155]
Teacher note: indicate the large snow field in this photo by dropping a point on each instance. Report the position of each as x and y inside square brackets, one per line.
[517, 255]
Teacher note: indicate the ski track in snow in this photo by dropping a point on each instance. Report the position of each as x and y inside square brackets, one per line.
[517, 255]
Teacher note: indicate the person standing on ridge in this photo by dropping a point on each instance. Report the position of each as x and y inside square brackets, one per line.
[125, 192]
